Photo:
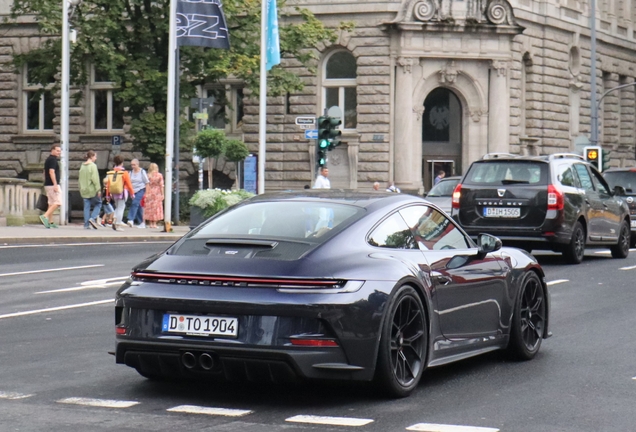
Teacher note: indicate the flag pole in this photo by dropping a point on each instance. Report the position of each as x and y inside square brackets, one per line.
[262, 115]
[170, 115]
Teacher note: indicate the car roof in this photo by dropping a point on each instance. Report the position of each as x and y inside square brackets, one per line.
[340, 196]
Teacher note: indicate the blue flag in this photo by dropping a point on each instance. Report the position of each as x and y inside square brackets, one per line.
[273, 42]
[202, 23]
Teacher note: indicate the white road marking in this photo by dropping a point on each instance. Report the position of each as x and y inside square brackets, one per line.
[104, 403]
[608, 252]
[51, 270]
[628, 268]
[13, 395]
[193, 409]
[54, 309]
[332, 421]
[84, 244]
[558, 281]
[105, 281]
[430, 427]
[79, 288]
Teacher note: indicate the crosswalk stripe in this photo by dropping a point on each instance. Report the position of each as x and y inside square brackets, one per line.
[13, 395]
[628, 268]
[193, 409]
[103, 403]
[430, 427]
[332, 421]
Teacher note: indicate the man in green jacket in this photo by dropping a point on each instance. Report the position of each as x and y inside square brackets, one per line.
[90, 190]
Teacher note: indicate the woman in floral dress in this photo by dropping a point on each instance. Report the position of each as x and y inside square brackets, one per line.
[153, 210]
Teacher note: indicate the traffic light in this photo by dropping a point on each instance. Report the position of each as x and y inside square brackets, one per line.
[321, 152]
[334, 132]
[606, 159]
[593, 155]
[328, 138]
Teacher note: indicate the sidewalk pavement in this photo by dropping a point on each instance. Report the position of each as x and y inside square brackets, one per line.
[76, 233]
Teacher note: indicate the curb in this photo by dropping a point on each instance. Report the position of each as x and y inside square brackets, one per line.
[79, 240]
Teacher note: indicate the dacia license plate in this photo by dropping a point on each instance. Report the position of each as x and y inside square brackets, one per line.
[200, 325]
[502, 212]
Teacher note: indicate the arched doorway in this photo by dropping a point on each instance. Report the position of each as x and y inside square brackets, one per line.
[441, 135]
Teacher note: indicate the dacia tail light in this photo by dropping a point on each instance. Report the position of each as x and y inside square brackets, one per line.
[555, 198]
[457, 194]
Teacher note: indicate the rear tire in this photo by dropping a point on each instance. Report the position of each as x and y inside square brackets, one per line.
[528, 320]
[575, 250]
[403, 344]
[621, 249]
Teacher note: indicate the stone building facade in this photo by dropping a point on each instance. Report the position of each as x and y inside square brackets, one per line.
[423, 85]
[439, 83]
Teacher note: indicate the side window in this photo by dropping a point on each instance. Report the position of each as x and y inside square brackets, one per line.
[599, 183]
[393, 233]
[584, 177]
[433, 230]
[567, 176]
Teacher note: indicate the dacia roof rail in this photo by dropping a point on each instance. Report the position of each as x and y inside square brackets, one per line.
[499, 156]
[565, 156]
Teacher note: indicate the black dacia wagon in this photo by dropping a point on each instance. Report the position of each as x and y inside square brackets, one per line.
[557, 202]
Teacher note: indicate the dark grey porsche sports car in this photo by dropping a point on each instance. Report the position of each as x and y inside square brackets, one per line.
[328, 285]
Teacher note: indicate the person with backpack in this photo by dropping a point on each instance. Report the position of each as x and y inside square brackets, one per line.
[90, 190]
[118, 188]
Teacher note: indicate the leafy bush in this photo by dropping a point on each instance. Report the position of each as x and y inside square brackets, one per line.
[213, 201]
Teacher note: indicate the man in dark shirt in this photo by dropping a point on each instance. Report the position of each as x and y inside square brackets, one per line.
[52, 184]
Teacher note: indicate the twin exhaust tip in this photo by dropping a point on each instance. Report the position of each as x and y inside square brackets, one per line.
[205, 361]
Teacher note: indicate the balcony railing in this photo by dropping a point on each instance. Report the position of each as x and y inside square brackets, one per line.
[17, 201]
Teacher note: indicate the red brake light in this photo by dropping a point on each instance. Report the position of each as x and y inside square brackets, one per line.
[457, 194]
[555, 198]
[120, 330]
[314, 342]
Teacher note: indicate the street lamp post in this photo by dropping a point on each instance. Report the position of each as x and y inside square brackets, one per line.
[593, 104]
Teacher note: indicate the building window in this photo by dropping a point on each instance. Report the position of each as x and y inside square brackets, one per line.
[227, 112]
[39, 108]
[107, 111]
[339, 86]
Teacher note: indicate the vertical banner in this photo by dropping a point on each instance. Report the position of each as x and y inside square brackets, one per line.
[202, 23]
[273, 41]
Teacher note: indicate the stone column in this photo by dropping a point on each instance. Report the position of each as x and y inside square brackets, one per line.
[408, 146]
[499, 108]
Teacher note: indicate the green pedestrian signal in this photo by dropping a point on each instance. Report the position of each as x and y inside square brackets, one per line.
[606, 159]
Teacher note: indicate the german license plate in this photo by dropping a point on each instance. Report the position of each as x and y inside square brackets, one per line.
[502, 212]
[200, 325]
[634, 224]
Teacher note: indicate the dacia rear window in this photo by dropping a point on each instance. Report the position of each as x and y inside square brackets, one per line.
[626, 179]
[506, 172]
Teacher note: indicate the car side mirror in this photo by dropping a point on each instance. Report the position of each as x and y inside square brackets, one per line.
[619, 191]
[488, 243]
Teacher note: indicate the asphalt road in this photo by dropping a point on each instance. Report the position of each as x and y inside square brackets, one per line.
[57, 326]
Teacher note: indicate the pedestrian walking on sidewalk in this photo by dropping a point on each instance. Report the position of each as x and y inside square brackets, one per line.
[89, 187]
[107, 207]
[52, 185]
[153, 212]
[120, 197]
[139, 180]
[322, 181]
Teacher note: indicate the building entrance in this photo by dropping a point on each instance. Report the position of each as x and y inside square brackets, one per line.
[441, 135]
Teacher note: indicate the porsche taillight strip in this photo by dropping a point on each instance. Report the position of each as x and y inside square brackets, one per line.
[233, 281]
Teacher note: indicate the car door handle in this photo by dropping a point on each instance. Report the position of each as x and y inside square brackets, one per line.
[441, 279]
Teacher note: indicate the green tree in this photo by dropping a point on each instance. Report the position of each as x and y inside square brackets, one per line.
[127, 42]
[236, 151]
[210, 144]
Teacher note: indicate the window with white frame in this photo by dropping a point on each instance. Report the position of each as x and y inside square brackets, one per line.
[339, 86]
[227, 111]
[107, 112]
[38, 104]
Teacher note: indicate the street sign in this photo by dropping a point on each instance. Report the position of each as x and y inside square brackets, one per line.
[305, 120]
[200, 116]
[311, 134]
[306, 126]
[116, 140]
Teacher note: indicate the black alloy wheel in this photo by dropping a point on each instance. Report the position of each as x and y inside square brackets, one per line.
[575, 250]
[621, 249]
[528, 321]
[403, 345]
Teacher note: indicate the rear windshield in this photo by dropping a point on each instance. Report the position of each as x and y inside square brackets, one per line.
[497, 173]
[627, 179]
[309, 221]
